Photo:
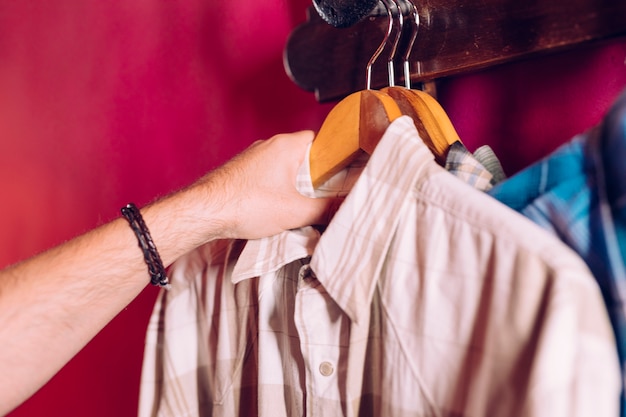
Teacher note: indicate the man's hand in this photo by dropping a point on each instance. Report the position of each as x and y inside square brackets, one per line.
[257, 189]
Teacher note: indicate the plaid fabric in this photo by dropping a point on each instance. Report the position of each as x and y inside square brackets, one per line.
[486, 156]
[462, 164]
[481, 169]
[423, 297]
[578, 193]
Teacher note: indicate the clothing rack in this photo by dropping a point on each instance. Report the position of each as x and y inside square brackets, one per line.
[454, 37]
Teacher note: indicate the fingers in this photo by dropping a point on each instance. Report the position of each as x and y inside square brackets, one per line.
[330, 210]
[258, 190]
[306, 211]
[302, 138]
[291, 146]
[321, 210]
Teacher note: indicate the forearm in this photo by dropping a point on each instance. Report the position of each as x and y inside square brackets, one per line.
[53, 304]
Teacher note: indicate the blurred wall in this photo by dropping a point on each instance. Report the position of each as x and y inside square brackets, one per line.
[102, 103]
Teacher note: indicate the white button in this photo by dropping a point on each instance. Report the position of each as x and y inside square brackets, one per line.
[326, 368]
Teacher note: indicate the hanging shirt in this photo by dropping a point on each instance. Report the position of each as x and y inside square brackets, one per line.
[578, 193]
[423, 297]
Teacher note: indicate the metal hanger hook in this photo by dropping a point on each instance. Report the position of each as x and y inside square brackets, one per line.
[381, 47]
[409, 48]
[396, 41]
[397, 16]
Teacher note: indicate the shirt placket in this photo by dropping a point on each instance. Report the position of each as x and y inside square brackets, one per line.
[321, 326]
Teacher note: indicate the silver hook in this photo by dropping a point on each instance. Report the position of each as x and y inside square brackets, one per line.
[407, 70]
[368, 74]
[396, 41]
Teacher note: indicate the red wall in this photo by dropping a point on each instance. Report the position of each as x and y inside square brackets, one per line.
[102, 103]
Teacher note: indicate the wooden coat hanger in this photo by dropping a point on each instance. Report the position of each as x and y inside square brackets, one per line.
[354, 125]
[431, 120]
[358, 121]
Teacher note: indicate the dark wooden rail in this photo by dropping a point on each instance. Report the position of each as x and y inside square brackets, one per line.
[455, 36]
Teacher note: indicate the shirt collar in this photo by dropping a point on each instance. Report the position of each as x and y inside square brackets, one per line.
[350, 254]
[348, 257]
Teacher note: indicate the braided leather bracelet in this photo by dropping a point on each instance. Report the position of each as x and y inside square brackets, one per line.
[150, 253]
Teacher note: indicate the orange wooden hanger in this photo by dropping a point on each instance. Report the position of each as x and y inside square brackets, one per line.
[358, 121]
[431, 120]
[354, 125]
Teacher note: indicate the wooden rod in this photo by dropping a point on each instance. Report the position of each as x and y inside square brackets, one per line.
[455, 36]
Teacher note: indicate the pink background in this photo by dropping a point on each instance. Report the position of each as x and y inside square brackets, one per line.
[102, 103]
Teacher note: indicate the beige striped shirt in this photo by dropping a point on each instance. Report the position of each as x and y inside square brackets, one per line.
[423, 297]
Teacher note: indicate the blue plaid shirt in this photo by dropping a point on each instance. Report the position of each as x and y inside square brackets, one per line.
[579, 194]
